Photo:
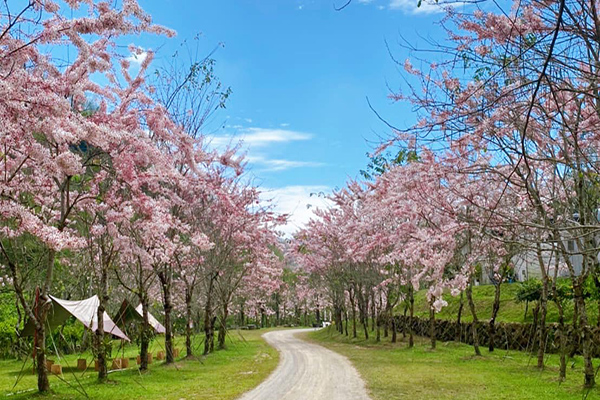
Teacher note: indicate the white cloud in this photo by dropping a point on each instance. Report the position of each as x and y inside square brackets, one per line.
[260, 137]
[284, 125]
[297, 201]
[281, 164]
[137, 58]
[256, 144]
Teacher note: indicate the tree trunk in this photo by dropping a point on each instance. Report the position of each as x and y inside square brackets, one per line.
[353, 314]
[365, 320]
[563, 346]
[242, 316]
[363, 308]
[411, 306]
[387, 322]
[211, 343]
[378, 333]
[404, 324]
[394, 330]
[432, 326]
[340, 320]
[277, 317]
[40, 350]
[576, 335]
[543, 303]
[189, 323]
[165, 280]
[223, 327]
[198, 320]
[542, 325]
[284, 319]
[34, 315]
[346, 315]
[358, 296]
[561, 331]
[589, 375]
[495, 308]
[99, 334]
[534, 326]
[40, 327]
[209, 329]
[373, 313]
[458, 317]
[145, 336]
[475, 323]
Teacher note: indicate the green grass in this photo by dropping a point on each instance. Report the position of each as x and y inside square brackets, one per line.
[394, 371]
[225, 374]
[483, 297]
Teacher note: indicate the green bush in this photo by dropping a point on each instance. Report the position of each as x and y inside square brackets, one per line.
[9, 347]
[68, 338]
[529, 290]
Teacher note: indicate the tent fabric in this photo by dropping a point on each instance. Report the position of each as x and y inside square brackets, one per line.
[158, 327]
[56, 317]
[127, 314]
[109, 326]
[85, 311]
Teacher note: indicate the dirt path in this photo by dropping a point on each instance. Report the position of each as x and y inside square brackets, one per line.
[308, 371]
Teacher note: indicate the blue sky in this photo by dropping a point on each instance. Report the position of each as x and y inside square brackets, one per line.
[300, 73]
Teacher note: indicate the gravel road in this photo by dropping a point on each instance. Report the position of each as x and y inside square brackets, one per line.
[308, 371]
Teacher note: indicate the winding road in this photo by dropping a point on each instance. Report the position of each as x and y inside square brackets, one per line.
[308, 371]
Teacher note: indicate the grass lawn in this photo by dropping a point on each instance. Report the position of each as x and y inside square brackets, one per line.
[394, 371]
[226, 374]
[510, 310]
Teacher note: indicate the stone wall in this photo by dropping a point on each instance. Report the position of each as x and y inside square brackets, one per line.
[510, 336]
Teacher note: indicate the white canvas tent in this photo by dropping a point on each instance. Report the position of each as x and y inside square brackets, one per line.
[158, 327]
[86, 312]
[127, 314]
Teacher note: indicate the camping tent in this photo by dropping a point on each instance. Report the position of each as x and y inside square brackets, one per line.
[86, 311]
[127, 314]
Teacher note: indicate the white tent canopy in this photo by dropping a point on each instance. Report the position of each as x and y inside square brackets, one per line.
[86, 312]
[127, 314]
[158, 327]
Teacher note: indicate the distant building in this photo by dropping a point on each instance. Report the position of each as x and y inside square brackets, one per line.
[527, 266]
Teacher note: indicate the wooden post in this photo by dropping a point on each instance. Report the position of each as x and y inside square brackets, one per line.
[139, 359]
[56, 369]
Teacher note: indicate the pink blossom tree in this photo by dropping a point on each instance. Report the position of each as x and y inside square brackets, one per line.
[523, 111]
[48, 174]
